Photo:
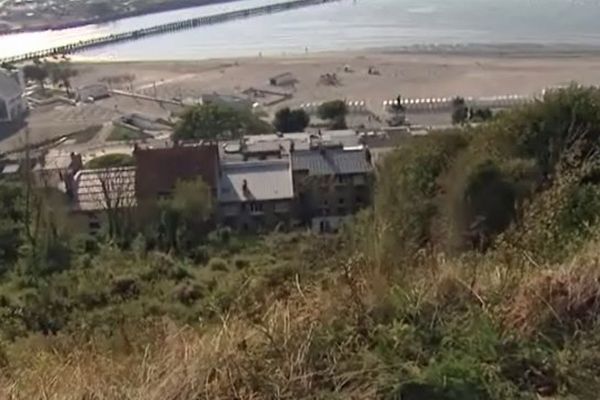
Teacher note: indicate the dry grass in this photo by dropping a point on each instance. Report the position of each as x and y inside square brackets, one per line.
[274, 355]
[566, 299]
[314, 343]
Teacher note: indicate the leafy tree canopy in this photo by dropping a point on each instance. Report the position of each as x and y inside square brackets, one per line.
[215, 122]
[333, 110]
[11, 221]
[61, 74]
[287, 120]
[111, 160]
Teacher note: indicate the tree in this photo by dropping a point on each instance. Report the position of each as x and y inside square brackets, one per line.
[460, 111]
[36, 72]
[216, 122]
[332, 109]
[481, 114]
[184, 215]
[11, 222]
[335, 112]
[117, 197]
[287, 120]
[61, 74]
[8, 66]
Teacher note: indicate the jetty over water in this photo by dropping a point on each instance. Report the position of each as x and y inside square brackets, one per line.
[164, 28]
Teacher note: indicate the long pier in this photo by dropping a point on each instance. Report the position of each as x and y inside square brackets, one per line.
[163, 28]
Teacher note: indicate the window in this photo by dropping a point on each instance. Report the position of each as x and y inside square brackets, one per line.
[256, 208]
[341, 211]
[341, 201]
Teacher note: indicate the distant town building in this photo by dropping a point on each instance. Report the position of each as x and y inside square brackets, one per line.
[285, 79]
[256, 194]
[159, 169]
[99, 192]
[93, 92]
[331, 184]
[12, 101]
[260, 182]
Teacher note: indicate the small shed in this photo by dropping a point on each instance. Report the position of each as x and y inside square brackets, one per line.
[285, 79]
[92, 92]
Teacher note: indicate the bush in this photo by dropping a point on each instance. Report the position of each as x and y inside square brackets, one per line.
[241, 263]
[287, 120]
[200, 254]
[218, 264]
[338, 123]
[85, 244]
[332, 110]
[187, 293]
[125, 287]
[407, 194]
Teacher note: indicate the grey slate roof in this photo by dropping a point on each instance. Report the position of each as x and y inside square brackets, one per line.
[9, 87]
[266, 180]
[331, 162]
[94, 188]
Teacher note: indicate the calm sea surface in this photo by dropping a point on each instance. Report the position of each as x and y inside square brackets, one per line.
[347, 25]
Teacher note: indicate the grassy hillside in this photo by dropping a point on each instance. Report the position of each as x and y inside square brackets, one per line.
[475, 275]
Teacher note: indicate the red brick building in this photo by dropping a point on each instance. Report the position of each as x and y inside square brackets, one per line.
[159, 169]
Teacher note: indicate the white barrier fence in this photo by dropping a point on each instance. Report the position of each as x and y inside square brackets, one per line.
[353, 106]
[445, 103]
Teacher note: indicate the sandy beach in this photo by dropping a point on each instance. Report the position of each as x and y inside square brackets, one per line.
[410, 74]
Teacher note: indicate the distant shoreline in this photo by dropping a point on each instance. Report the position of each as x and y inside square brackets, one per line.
[76, 23]
[509, 50]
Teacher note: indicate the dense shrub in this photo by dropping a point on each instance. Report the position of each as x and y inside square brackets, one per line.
[218, 264]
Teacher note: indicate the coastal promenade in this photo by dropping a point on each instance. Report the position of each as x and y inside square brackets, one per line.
[164, 28]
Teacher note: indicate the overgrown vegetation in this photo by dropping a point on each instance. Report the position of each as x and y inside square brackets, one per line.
[110, 160]
[474, 276]
[123, 133]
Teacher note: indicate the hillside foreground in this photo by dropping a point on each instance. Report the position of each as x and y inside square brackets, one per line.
[475, 275]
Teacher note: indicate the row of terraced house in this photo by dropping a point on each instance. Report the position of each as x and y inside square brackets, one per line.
[259, 183]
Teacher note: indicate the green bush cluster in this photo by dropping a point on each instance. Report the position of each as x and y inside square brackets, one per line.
[457, 191]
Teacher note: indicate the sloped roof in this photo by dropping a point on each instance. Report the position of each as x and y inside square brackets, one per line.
[265, 180]
[159, 169]
[331, 162]
[9, 87]
[102, 189]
